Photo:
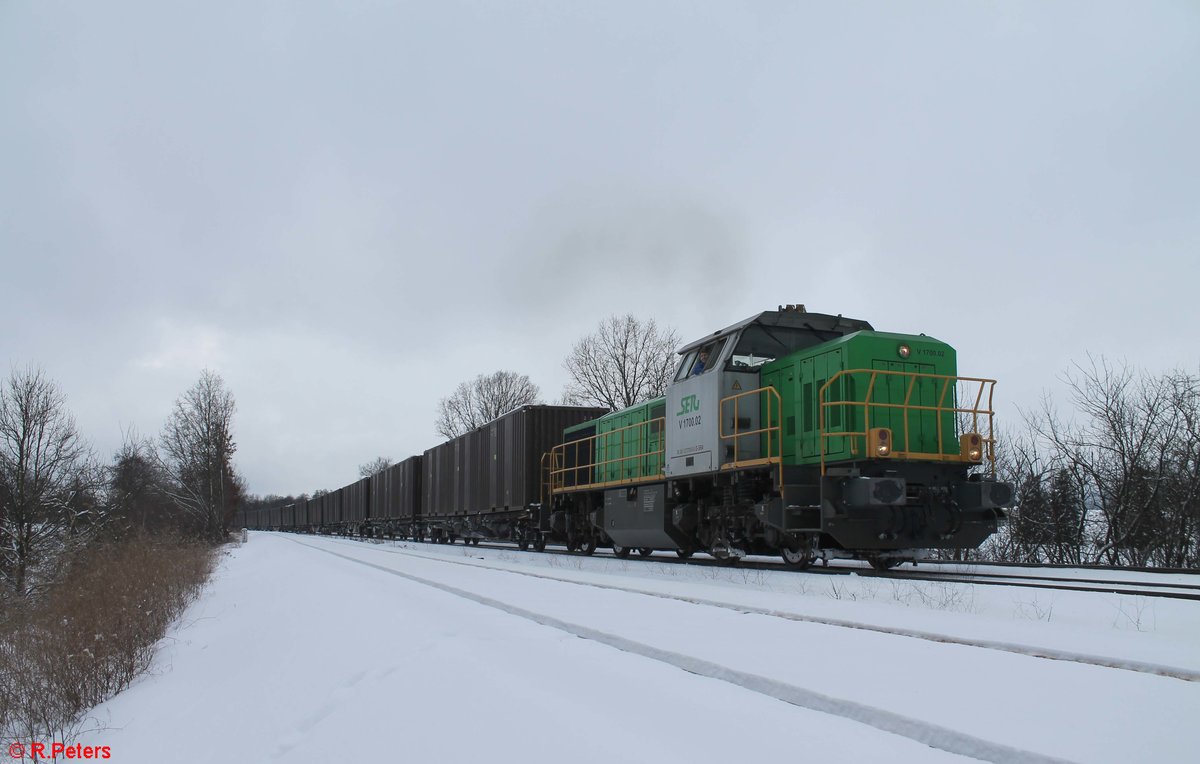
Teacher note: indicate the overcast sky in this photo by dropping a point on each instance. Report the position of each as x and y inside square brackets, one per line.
[346, 208]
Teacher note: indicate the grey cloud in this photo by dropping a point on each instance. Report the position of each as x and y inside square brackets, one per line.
[357, 205]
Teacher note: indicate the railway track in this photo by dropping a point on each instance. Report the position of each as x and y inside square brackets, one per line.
[1063, 566]
[1143, 667]
[1072, 584]
[929, 572]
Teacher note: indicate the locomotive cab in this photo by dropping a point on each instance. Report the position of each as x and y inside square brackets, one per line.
[714, 416]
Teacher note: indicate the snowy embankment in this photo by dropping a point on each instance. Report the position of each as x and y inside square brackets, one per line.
[307, 649]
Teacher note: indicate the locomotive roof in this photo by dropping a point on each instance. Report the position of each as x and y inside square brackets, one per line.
[822, 326]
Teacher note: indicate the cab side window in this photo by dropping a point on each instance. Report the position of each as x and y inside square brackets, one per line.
[685, 368]
[707, 358]
[700, 360]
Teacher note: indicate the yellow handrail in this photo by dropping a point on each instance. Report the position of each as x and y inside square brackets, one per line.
[773, 456]
[557, 458]
[907, 407]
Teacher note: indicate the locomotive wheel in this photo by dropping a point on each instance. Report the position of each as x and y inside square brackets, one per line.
[685, 553]
[523, 543]
[475, 542]
[645, 551]
[588, 545]
[621, 551]
[539, 543]
[799, 559]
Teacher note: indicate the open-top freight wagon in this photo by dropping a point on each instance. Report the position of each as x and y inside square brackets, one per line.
[488, 483]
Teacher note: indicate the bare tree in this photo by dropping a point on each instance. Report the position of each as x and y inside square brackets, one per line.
[197, 450]
[375, 466]
[137, 488]
[481, 400]
[46, 476]
[1181, 494]
[625, 361]
[1129, 465]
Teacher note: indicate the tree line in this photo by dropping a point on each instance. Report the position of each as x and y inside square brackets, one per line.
[1115, 480]
[56, 496]
[625, 361]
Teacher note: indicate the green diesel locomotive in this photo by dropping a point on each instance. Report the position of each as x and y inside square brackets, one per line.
[794, 433]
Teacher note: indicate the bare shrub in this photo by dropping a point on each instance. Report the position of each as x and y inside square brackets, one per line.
[941, 596]
[1035, 610]
[841, 592]
[93, 631]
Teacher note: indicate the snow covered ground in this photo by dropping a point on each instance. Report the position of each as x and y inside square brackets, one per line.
[317, 649]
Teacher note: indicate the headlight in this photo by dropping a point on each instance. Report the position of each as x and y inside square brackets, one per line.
[971, 447]
[904, 351]
[879, 442]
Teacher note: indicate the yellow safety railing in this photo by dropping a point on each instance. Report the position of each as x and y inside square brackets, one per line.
[773, 433]
[976, 413]
[582, 474]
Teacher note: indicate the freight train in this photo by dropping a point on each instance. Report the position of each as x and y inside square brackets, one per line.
[806, 435]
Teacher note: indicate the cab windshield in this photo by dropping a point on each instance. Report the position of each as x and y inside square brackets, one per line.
[760, 344]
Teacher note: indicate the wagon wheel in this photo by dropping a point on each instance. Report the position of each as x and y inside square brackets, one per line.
[588, 545]
[645, 551]
[475, 541]
[884, 563]
[523, 543]
[539, 543]
[799, 558]
[621, 551]
[685, 553]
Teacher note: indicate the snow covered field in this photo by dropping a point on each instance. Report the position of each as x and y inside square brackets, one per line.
[318, 649]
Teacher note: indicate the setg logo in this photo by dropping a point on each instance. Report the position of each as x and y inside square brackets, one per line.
[689, 412]
[689, 404]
